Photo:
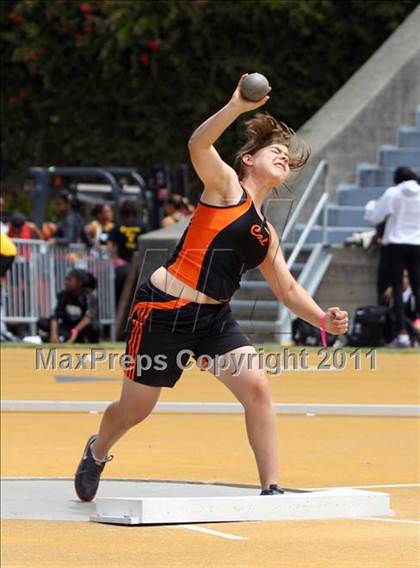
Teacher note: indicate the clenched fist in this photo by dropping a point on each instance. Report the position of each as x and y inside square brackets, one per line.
[336, 321]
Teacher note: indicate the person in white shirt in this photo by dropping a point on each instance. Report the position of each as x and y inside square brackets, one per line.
[400, 207]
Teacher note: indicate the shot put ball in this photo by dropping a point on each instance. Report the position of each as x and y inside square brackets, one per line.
[254, 87]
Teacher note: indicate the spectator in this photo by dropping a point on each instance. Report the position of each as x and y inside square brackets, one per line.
[98, 229]
[400, 207]
[20, 228]
[7, 256]
[172, 210]
[120, 270]
[408, 297]
[71, 228]
[76, 316]
[125, 234]
[48, 230]
[186, 208]
[383, 278]
[382, 273]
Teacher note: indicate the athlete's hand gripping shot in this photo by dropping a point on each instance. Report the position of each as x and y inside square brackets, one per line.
[183, 308]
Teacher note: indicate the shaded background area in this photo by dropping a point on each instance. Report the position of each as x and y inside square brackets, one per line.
[125, 83]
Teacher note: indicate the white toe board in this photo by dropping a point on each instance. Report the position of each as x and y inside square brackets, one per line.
[329, 504]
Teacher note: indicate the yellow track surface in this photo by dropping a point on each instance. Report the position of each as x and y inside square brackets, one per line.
[395, 381]
[314, 452]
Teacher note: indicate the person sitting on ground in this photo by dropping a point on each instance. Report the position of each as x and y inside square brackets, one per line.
[20, 228]
[70, 228]
[75, 317]
[98, 229]
[400, 206]
[125, 234]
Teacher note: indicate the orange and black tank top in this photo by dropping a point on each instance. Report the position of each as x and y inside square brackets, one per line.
[218, 246]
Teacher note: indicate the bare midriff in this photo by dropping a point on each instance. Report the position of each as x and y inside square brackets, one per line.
[165, 281]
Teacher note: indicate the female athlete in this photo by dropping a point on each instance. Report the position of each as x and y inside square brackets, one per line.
[183, 309]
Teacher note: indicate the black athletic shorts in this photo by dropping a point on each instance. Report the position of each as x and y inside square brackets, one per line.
[165, 331]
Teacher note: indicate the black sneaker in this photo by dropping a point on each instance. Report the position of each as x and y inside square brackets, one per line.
[87, 476]
[272, 490]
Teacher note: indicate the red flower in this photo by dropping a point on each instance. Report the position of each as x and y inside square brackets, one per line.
[89, 17]
[17, 18]
[85, 8]
[153, 44]
[33, 55]
[88, 29]
[144, 58]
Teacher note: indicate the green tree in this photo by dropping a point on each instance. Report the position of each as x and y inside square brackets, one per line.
[126, 82]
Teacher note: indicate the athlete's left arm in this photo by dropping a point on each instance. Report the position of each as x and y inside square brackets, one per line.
[291, 294]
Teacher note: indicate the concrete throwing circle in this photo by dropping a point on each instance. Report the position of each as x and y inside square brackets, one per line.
[51, 499]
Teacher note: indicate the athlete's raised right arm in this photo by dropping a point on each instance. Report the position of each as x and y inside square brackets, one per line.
[209, 166]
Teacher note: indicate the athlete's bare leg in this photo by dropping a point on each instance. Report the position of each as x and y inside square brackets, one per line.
[251, 388]
[136, 403]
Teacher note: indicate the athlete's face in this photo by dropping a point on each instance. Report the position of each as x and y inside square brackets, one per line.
[271, 163]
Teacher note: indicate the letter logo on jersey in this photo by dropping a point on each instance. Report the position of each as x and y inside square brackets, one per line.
[256, 232]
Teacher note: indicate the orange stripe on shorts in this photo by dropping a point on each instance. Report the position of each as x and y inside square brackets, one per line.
[143, 309]
[136, 346]
[136, 330]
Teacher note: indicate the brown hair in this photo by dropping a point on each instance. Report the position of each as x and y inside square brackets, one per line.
[263, 130]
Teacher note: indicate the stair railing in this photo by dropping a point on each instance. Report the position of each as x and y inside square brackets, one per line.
[320, 170]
